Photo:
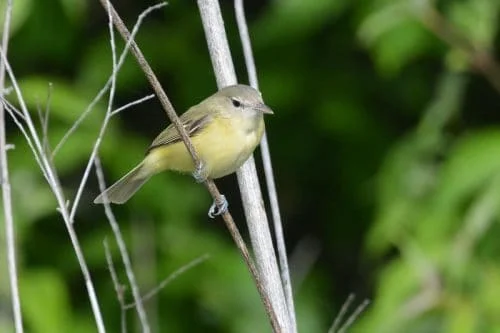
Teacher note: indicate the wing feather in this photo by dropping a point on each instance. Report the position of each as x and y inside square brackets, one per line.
[192, 124]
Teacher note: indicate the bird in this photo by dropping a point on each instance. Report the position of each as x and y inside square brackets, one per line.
[225, 128]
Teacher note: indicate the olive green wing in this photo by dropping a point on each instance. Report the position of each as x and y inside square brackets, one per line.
[193, 121]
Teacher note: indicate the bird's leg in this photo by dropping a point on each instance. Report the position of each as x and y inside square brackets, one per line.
[200, 174]
[218, 208]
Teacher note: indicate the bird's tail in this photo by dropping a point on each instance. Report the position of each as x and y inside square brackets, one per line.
[124, 188]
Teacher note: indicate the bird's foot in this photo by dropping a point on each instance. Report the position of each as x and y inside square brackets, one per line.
[218, 208]
[200, 174]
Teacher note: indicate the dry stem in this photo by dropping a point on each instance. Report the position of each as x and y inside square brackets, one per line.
[268, 167]
[167, 106]
[150, 294]
[119, 288]
[50, 174]
[123, 251]
[251, 195]
[350, 320]
[6, 194]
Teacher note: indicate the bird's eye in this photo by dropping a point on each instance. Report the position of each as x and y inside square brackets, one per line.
[235, 102]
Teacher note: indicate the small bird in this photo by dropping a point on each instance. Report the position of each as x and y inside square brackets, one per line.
[225, 129]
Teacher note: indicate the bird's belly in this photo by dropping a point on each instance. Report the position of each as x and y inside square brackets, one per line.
[223, 155]
[222, 148]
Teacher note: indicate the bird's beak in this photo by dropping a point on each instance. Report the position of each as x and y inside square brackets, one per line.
[264, 108]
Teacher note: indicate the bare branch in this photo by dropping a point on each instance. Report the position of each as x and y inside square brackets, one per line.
[13, 109]
[13, 112]
[50, 174]
[119, 288]
[6, 194]
[247, 175]
[123, 250]
[350, 320]
[106, 87]
[167, 106]
[44, 120]
[170, 278]
[108, 115]
[128, 105]
[354, 316]
[340, 316]
[268, 167]
[302, 259]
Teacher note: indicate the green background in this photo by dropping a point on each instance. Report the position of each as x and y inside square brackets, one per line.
[386, 148]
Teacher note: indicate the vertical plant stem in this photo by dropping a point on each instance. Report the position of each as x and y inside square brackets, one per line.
[123, 252]
[50, 174]
[268, 167]
[6, 194]
[247, 175]
[119, 288]
[211, 187]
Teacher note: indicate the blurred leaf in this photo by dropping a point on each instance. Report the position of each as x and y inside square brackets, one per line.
[45, 301]
[21, 10]
[473, 160]
[397, 283]
[401, 46]
[29, 184]
[382, 20]
[410, 172]
[462, 318]
[489, 289]
[477, 20]
[477, 222]
[66, 103]
[293, 19]
[457, 60]
[75, 9]
[345, 117]
[393, 36]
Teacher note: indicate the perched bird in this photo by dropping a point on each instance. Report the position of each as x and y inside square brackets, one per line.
[225, 129]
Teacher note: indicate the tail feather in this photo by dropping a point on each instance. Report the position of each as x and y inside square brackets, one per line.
[124, 188]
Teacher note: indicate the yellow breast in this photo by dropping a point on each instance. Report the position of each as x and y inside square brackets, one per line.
[223, 146]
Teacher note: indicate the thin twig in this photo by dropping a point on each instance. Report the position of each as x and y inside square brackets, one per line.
[150, 294]
[119, 288]
[44, 121]
[167, 106]
[155, 83]
[108, 115]
[354, 316]
[104, 89]
[6, 194]
[143, 251]
[268, 167]
[251, 195]
[128, 105]
[340, 316]
[123, 250]
[240, 243]
[16, 112]
[302, 259]
[51, 176]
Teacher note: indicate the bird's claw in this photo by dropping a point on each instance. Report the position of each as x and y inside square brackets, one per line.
[200, 173]
[218, 208]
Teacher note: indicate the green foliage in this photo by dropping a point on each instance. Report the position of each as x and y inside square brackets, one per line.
[438, 199]
[394, 36]
[45, 301]
[386, 151]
